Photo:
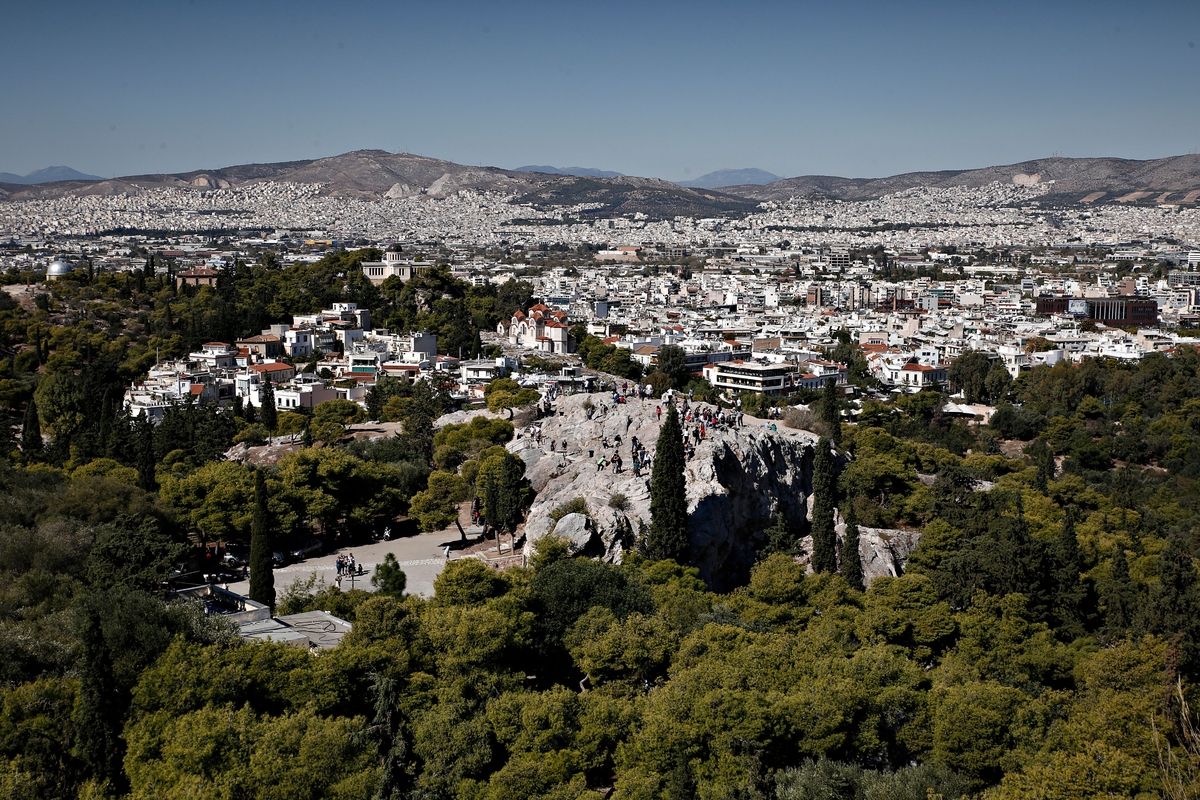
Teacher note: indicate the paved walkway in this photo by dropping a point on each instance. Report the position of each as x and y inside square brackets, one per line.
[421, 557]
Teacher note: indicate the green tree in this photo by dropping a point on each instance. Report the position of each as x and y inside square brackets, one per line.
[268, 414]
[824, 535]
[31, 432]
[505, 394]
[997, 382]
[500, 482]
[127, 554]
[386, 733]
[98, 714]
[1120, 596]
[437, 507]
[1068, 588]
[672, 361]
[143, 438]
[1173, 605]
[852, 568]
[831, 413]
[781, 538]
[668, 536]
[389, 579]
[968, 374]
[262, 574]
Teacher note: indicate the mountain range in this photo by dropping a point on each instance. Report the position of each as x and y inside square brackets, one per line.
[47, 175]
[373, 174]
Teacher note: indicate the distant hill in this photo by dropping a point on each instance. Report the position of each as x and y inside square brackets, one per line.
[579, 172]
[372, 174]
[47, 175]
[731, 177]
[375, 174]
[1172, 179]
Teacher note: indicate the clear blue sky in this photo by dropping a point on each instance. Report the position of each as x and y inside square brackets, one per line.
[671, 90]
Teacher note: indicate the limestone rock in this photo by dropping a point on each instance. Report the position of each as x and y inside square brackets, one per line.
[577, 529]
[736, 481]
[884, 551]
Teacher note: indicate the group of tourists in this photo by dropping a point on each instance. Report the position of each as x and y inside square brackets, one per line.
[346, 565]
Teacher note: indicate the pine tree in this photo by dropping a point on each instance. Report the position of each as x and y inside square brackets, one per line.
[668, 537]
[831, 413]
[268, 413]
[97, 714]
[262, 575]
[389, 578]
[852, 569]
[780, 538]
[31, 432]
[824, 536]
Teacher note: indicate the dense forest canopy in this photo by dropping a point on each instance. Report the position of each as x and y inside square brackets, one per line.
[1042, 642]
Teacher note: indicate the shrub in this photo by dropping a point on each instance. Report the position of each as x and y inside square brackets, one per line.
[619, 501]
[576, 506]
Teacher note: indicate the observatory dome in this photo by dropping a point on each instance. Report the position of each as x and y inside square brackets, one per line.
[58, 268]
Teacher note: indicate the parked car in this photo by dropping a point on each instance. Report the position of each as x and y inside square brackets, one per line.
[312, 547]
[236, 555]
[279, 558]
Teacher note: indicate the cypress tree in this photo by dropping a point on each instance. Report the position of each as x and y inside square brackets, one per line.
[476, 345]
[824, 536]
[98, 714]
[143, 435]
[852, 569]
[668, 536]
[1068, 589]
[831, 413]
[31, 432]
[1119, 596]
[262, 575]
[268, 413]
[1043, 459]
[1174, 605]
[386, 733]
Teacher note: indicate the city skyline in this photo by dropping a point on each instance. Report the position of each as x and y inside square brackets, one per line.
[669, 91]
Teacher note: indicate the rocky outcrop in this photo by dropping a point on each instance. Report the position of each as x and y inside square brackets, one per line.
[884, 551]
[737, 480]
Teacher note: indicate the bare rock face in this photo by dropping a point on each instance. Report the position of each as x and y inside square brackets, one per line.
[738, 479]
[884, 551]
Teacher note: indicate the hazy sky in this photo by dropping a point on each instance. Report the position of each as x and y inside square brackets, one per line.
[671, 90]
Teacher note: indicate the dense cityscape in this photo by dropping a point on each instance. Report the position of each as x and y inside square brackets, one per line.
[830, 432]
